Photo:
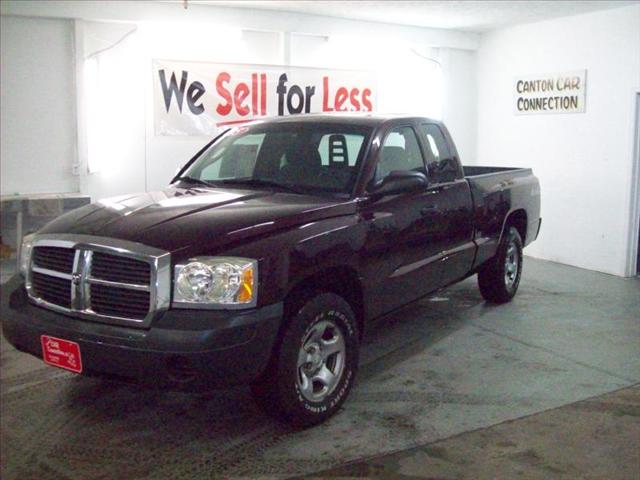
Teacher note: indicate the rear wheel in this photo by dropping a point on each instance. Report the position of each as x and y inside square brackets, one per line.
[500, 277]
[314, 367]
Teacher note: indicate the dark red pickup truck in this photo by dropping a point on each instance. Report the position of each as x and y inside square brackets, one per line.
[267, 257]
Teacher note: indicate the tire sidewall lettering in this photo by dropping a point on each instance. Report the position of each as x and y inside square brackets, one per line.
[345, 382]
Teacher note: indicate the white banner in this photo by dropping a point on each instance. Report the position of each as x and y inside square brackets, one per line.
[197, 98]
[552, 93]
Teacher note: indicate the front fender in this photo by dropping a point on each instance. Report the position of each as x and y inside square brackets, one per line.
[290, 256]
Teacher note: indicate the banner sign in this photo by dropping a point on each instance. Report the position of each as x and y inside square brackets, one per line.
[553, 93]
[195, 98]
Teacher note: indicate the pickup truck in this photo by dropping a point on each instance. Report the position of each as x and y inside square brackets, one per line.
[267, 258]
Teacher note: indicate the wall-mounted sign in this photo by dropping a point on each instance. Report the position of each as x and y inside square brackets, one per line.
[552, 93]
[195, 98]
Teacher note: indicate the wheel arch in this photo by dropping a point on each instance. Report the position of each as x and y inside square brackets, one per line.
[518, 219]
[343, 281]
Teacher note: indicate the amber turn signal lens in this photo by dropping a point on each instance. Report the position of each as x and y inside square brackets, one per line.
[245, 295]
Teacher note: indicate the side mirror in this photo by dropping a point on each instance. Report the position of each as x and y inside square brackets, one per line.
[400, 181]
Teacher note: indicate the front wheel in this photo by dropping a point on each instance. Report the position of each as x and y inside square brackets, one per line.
[314, 367]
[499, 278]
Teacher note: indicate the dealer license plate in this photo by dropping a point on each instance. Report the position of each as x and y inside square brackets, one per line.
[61, 353]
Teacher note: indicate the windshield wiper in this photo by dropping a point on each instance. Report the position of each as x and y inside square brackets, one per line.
[194, 180]
[258, 182]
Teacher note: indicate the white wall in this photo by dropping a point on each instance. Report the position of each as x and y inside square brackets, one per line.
[459, 106]
[405, 79]
[583, 161]
[37, 105]
[198, 42]
[135, 159]
[159, 11]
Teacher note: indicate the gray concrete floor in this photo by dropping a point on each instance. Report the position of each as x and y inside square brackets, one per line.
[444, 366]
[594, 438]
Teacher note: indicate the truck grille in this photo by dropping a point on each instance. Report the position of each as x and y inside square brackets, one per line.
[52, 289]
[119, 302]
[54, 258]
[120, 269]
[99, 282]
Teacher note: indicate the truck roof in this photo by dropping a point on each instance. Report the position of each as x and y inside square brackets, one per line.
[365, 119]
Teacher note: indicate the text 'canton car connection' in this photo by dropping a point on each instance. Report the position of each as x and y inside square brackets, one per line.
[267, 257]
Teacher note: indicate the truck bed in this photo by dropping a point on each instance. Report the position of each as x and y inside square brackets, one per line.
[479, 171]
[495, 191]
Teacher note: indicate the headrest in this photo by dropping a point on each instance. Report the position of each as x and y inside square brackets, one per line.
[394, 158]
[338, 154]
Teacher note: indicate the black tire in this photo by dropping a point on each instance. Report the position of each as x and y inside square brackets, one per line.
[279, 391]
[497, 281]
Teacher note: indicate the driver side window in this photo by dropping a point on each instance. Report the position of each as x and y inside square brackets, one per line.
[400, 151]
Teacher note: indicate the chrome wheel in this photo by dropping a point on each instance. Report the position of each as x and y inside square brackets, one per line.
[321, 361]
[511, 265]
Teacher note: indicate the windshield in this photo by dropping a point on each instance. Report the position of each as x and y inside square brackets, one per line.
[299, 157]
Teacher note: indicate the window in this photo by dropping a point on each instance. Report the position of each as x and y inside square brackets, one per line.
[442, 167]
[400, 151]
[337, 148]
[300, 156]
[235, 160]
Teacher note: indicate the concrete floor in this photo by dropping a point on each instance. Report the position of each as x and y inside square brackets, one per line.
[442, 367]
[594, 438]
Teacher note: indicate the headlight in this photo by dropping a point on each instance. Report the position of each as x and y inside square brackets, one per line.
[24, 254]
[217, 282]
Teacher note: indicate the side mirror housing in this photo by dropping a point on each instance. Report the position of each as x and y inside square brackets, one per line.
[400, 181]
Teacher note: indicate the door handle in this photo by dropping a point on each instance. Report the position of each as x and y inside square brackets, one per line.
[439, 188]
[428, 210]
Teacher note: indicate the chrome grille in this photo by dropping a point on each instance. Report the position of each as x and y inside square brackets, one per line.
[120, 269]
[54, 258]
[119, 302]
[101, 279]
[52, 289]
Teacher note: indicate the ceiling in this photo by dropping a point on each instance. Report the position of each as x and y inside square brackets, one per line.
[469, 15]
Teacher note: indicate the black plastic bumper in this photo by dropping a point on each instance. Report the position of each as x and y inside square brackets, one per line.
[182, 349]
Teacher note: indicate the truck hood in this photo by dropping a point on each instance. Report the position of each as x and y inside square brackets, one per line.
[179, 218]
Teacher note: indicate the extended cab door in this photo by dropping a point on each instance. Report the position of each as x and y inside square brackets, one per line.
[454, 207]
[403, 242]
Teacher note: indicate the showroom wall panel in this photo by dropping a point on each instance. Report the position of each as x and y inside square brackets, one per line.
[459, 102]
[409, 78]
[37, 106]
[123, 153]
[583, 160]
[131, 158]
[417, 90]
[145, 161]
[199, 42]
[112, 109]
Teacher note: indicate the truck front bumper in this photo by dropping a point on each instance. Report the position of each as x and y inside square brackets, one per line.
[182, 349]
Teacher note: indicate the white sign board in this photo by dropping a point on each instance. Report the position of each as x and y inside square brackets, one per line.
[552, 93]
[198, 98]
